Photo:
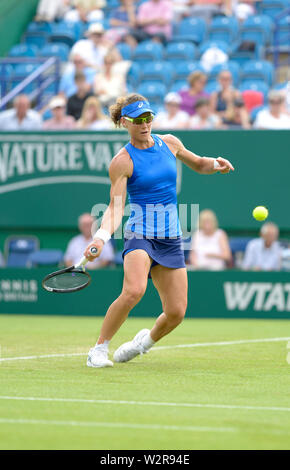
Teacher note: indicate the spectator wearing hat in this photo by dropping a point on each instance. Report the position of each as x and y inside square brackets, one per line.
[59, 121]
[264, 253]
[93, 49]
[21, 117]
[203, 118]
[76, 101]
[274, 117]
[197, 81]
[237, 116]
[86, 11]
[223, 99]
[172, 117]
[77, 64]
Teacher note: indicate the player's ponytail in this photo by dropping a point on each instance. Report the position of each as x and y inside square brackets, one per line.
[122, 101]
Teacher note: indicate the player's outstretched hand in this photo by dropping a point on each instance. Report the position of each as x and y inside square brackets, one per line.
[225, 165]
[98, 244]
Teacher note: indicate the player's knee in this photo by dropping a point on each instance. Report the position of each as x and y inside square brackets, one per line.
[176, 314]
[134, 294]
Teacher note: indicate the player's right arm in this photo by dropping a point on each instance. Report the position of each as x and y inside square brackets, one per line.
[120, 170]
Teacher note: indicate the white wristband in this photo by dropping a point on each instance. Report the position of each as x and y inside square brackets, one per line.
[102, 235]
[216, 164]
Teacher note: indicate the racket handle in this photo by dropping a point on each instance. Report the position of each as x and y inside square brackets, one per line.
[82, 262]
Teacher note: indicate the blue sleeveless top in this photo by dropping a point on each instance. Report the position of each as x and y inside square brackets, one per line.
[152, 192]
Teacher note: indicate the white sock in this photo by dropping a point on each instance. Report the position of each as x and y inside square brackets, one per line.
[148, 341]
[104, 345]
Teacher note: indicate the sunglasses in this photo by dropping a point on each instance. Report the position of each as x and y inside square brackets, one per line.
[140, 120]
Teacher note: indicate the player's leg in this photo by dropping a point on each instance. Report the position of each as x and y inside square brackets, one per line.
[136, 267]
[172, 288]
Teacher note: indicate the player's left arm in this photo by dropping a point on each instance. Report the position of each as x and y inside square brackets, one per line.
[203, 165]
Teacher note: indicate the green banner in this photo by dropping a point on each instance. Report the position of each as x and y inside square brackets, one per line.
[48, 179]
[224, 294]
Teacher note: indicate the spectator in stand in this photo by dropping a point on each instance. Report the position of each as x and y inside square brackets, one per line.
[93, 49]
[264, 253]
[50, 10]
[237, 116]
[122, 19]
[78, 244]
[242, 9]
[181, 8]
[21, 117]
[86, 11]
[203, 118]
[223, 99]
[197, 81]
[76, 102]
[92, 117]
[111, 81]
[154, 19]
[210, 247]
[59, 121]
[207, 9]
[78, 64]
[274, 117]
[172, 117]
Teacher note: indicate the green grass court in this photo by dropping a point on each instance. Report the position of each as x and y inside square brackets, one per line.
[179, 393]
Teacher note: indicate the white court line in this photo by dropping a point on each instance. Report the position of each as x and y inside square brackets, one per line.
[178, 346]
[117, 425]
[148, 403]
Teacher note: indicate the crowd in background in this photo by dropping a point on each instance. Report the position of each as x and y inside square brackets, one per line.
[96, 72]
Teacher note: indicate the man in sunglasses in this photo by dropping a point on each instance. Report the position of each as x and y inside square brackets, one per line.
[146, 168]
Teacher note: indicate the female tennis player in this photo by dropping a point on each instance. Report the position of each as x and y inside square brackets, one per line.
[146, 167]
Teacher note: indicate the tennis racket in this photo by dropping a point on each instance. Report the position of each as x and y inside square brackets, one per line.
[69, 279]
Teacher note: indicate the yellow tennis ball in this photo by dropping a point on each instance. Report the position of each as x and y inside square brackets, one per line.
[260, 213]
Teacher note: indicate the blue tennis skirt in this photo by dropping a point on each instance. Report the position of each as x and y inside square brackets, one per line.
[167, 252]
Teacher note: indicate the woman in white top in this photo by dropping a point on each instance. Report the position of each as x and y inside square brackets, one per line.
[92, 117]
[172, 117]
[210, 247]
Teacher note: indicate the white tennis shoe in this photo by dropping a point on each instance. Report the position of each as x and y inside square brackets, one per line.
[128, 351]
[98, 357]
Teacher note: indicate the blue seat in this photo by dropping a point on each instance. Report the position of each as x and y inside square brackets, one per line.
[272, 8]
[65, 32]
[283, 34]
[176, 51]
[45, 258]
[134, 74]
[23, 50]
[242, 56]
[179, 85]
[191, 29]
[212, 86]
[224, 29]
[256, 85]
[148, 50]
[55, 50]
[184, 69]
[260, 69]
[257, 28]
[125, 50]
[162, 71]
[238, 247]
[21, 71]
[231, 66]
[38, 27]
[223, 46]
[153, 90]
[18, 249]
[37, 39]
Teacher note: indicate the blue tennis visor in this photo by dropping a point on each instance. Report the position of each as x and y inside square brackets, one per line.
[137, 108]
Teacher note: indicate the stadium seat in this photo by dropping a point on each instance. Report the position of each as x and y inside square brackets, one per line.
[260, 69]
[178, 85]
[18, 250]
[283, 33]
[257, 28]
[148, 50]
[21, 71]
[211, 86]
[176, 51]
[125, 50]
[233, 67]
[184, 69]
[35, 39]
[238, 247]
[38, 27]
[223, 46]
[191, 29]
[272, 8]
[241, 55]
[162, 71]
[153, 90]
[257, 85]
[224, 29]
[23, 50]
[252, 99]
[44, 258]
[55, 50]
[134, 74]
